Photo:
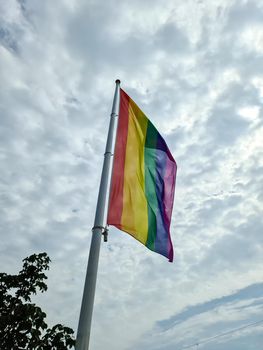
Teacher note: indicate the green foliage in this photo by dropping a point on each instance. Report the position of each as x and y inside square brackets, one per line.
[22, 323]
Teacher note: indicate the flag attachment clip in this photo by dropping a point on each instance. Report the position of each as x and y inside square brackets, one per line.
[104, 231]
[105, 234]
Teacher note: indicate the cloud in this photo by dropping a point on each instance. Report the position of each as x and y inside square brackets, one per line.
[221, 316]
[195, 69]
[254, 291]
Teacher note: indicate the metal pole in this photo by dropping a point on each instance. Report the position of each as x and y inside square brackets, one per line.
[83, 335]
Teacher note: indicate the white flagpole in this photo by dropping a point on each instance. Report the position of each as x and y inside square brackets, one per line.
[83, 335]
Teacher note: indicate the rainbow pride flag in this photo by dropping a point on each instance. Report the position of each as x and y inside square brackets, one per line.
[143, 180]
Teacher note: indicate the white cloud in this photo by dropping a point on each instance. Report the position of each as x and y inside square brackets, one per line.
[195, 68]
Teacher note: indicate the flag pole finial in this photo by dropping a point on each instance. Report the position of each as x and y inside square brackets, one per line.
[117, 81]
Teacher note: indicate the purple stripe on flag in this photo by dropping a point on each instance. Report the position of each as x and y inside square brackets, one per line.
[164, 182]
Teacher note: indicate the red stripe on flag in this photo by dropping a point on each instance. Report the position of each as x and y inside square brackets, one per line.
[116, 192]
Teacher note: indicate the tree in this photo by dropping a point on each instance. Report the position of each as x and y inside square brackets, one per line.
[22, 323]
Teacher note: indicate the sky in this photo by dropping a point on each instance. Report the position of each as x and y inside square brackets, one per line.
[195, 69]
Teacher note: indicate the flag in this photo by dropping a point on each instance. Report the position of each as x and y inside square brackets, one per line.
[143, 180]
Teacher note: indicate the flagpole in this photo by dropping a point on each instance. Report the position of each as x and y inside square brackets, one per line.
[84, 327]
